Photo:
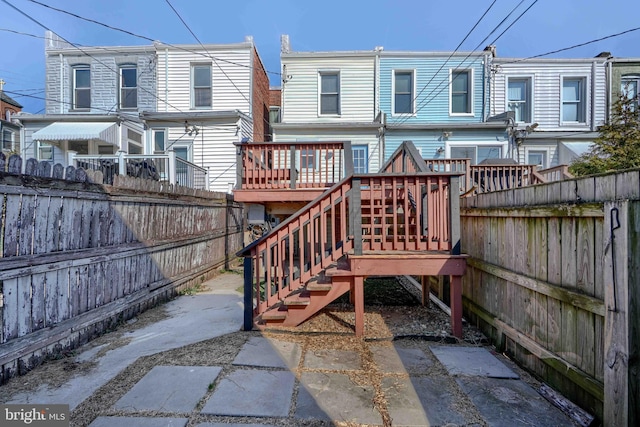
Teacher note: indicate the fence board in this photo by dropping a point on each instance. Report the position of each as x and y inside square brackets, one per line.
[51, 300]
[40, 224]
[24, 305]
[10, 309]
[26, 226]
[64, 306]
[585, 259]
[11, 225]
[38, 301]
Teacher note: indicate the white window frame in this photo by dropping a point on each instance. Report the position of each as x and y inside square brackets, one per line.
[192, 85]
[583, 103]
[413, 92]
[476, 144]
[75, 89]
[41, 147]
[152, 144]
[631, 78]
[538, 150]
[365, 148]
[11, 140]
[470, 94]
[122, 88]
[529, 100]
[325, 73]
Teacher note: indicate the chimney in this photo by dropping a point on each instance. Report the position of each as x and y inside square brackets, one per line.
[491, 48]
[285, 46]
[604, 55]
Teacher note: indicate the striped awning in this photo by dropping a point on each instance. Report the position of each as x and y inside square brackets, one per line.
[78, 131]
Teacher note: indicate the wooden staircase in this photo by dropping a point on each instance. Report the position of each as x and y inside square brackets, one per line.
[380, 224]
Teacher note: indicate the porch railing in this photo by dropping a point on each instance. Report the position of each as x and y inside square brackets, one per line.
[453, 165]
[488, 178]
[158, 167]
[298, 165]
[361, 213]
[557, 173]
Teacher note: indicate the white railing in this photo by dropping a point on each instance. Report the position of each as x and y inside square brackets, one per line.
[158, 167]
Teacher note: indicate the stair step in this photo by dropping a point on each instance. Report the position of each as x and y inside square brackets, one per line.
[338, 271]
[319, 287]
[274, 315]
[299, 300]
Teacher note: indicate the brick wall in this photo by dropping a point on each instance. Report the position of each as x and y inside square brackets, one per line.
[260, 99]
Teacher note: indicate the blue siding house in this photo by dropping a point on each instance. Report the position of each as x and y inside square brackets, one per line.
[440, 102]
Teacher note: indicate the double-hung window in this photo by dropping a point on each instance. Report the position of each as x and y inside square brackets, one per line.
[201, 86]
[360, 157]
[330, 93]
[82, 88]
[477, 153]
[7, 140]
[128, 87]
[629, 88]
[461, 94]
[573, 100]
[519, 99]
[403, 98]
[159, 138]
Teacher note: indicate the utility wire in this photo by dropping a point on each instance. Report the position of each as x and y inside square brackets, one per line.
[433, 94]
[205, 49]
[144, 37]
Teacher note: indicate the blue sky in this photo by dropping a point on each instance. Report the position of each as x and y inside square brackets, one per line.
[416, 25]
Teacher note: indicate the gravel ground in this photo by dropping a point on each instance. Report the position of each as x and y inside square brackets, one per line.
[392, 314]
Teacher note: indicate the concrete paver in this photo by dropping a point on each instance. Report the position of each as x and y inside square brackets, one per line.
[400, 359]
[475, 361]
[252, 392]
[510, 403]
[138, 422]
[269, 353]
[333, 396]
[420, 401]
[169, 389]
[336, 360]
[233, 425]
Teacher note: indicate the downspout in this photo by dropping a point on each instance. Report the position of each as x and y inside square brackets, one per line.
[593, 96]
[609, 95]
[166, 79]
[61, 86]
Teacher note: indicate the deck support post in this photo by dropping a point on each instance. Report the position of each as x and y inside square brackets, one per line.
[455, 290]
[358, 286]
[424, 281]
[248, 293]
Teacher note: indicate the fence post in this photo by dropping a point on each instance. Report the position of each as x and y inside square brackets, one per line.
[248, 293]
[355, 217]
[622, 333]
[122, 166]
[292, 167]
[171, 166]
[240, 153]
[348, 159]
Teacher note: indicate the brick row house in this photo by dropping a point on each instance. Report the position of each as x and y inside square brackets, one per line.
[9, 131]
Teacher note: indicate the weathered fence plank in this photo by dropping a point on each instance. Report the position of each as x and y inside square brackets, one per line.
[11, 225]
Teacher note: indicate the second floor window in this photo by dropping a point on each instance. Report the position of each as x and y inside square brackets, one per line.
[461, 92]
[360, 159]
[7, 140]
[159, 138]
[629, 88]
[573, 100]
[330, 93]
[403, 92]
[128, 87]
[519, 99]
[82, 88]
[201, 86]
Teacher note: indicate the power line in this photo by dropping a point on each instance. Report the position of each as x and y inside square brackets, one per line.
[205, 49]
[144, 37]
[575, 45]
[516, 20]
[433, 94]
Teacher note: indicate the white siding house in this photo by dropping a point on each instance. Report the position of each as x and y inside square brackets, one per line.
[557, 105]
[331, 96]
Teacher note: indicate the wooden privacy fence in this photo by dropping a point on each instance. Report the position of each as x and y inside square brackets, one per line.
[553, 278]
[77, 257]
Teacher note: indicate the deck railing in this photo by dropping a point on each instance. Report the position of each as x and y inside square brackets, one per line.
[453, 165]
[158, 167]
[298, 165]
[557, 173]
[488, 178]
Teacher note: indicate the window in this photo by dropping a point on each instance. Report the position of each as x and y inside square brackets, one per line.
[80, 147]
[106, 149]
[360, 157]
[201, 90]
[460, 92]
[134, 142]
[519, 99]
[159, 137]
[476, 153]
[629, 88]
[330, 94]
[7, 140]
[403, 92]
[538, 158]
[45, 151]
[128, 87]
[573, 101]
[307, 159]
[81, 88]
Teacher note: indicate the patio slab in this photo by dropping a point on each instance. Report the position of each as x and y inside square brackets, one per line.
[138, 422]
[401, 359]
[509, 403]
[269, 353]
[334, 397]
[169, 389]
[474, 361]
[233, 425]
[252, 392]
[421, 401]
[331, 359]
